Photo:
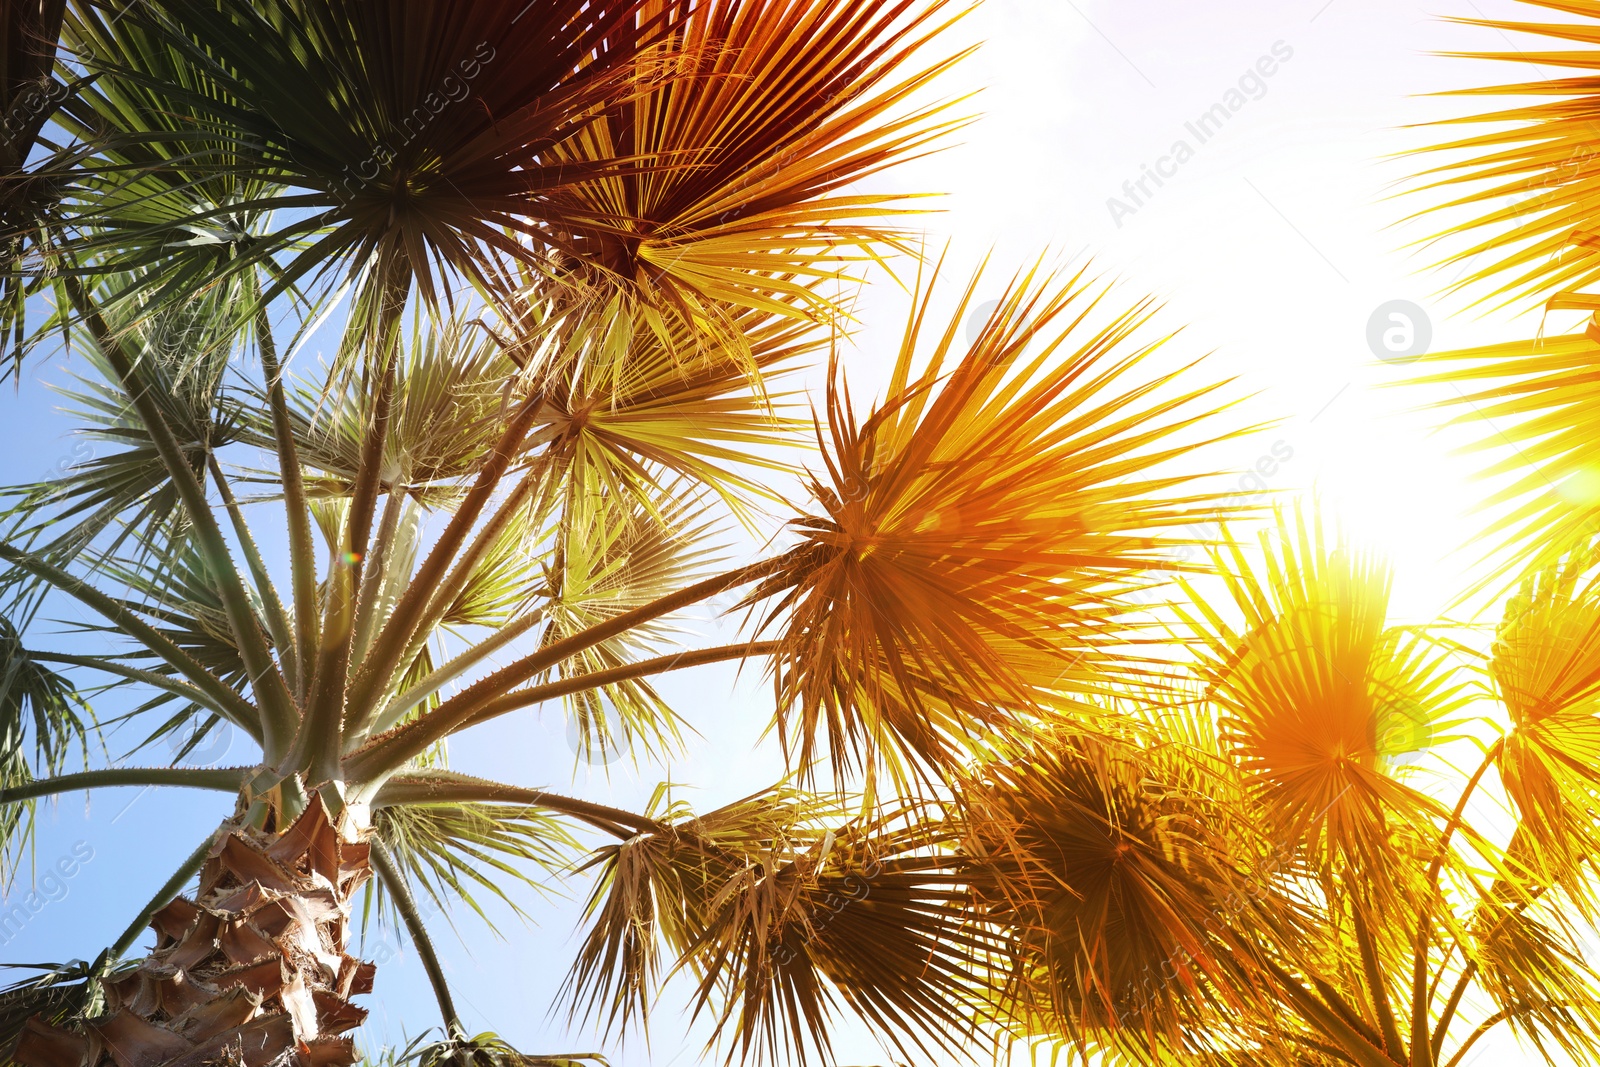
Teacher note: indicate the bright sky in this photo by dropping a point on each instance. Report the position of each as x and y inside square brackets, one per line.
[1271, 243]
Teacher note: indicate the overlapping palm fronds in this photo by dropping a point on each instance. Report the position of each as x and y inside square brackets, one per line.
[1530, 191]
[417, 135]
[628, 411]
[34, 177]
[788, 914]
[1546, 670]
[615, 553]
[741, 194]
[1531, 405]
[450, 393]
[121, 487]
[574, 258]
[1125, 881]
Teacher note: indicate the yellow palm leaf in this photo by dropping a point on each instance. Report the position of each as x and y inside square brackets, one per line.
[674, 408]
[979, 530]
[744, 158]
[1546, 667]
[1313, 686]
[1545, 155]
[1538, 403]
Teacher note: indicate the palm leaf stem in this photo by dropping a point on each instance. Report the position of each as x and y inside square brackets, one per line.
[1421, 1037]
[387, 652]
[406, 905]
[1375, 982]
[155, 679]
[277, 617]
[1329, 1022]
[374, 569]
[224, 700]
[390, 752]
[385, 717]
[277, 709]
[221, 779]
[458, 788]
[318, 745]
[302, 546]
[1448, 1015]
[525, 698]
[1472, 1039]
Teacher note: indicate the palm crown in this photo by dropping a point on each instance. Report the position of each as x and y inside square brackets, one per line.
[1064, 767]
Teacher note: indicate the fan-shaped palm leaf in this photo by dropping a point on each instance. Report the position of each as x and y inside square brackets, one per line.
[1533, 968]
[675, 407]
[979, 529]
[183, 354]
[1313, 688]
[416, 132]
[741, 197]
[1125, 880]
[1532, 403]
[450, 849]
[1546, 668]
[614, 554]
[653, 890]
[450, 392]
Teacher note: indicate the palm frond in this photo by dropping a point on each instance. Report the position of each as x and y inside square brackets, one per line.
[451, 390]
[615, 554]
[1316, 695]
[41, 711]
[451, 851]
[740, 197]
[1532, 967]
[325, 116]
[30, 97]
[1531, 404]
[670, 407]
[1131, 887]
[1546, 670]
[980, 530]
[122, 488]
[787, 915]
[872, 920]
[653, 891]
[1542, 155]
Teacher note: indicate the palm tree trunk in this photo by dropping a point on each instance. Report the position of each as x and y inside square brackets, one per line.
[252, 972]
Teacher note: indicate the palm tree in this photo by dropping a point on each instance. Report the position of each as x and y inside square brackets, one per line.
[570, 252]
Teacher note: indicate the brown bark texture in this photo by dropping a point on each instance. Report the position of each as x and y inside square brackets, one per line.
[253, 971]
